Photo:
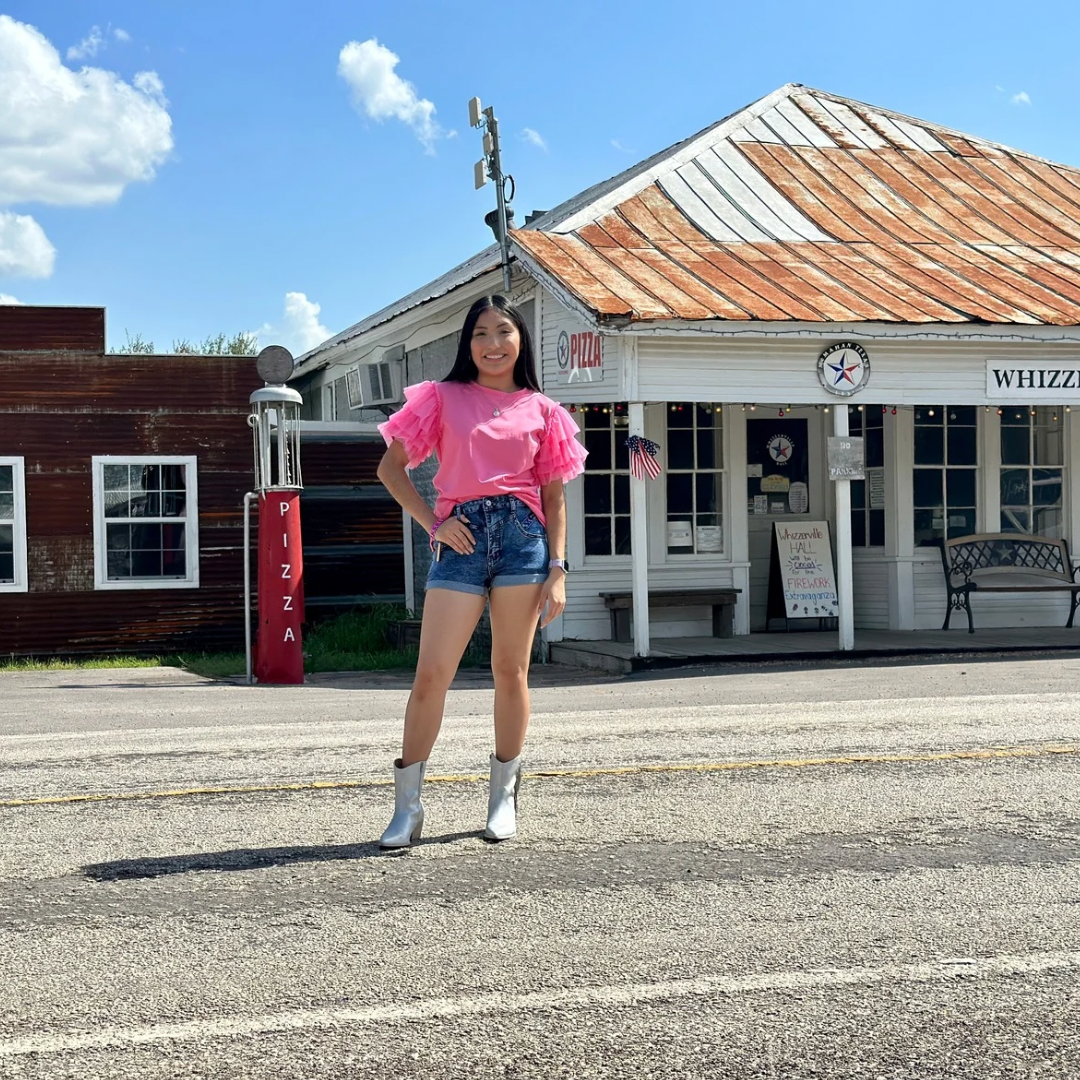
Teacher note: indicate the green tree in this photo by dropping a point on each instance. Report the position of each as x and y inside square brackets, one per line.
[239, 344]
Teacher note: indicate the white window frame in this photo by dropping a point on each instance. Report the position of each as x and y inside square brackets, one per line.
[20, 584]
[191, 523]
[696, 558]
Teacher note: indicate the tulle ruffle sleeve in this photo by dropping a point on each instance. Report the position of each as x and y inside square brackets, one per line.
[561, 456]
[418, 424]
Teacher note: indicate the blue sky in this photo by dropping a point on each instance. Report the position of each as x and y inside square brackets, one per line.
[267, 165]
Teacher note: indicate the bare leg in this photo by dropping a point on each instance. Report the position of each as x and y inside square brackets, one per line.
[449, 620]
[513, 624]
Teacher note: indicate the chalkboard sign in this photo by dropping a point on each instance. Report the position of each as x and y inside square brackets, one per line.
[802, 584]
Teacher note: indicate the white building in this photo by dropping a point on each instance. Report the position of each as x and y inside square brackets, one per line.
[691, 299]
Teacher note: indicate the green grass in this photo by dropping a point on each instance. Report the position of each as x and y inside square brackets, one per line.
[355, 641]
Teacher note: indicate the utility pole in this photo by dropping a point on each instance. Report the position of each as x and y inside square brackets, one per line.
[489, 167]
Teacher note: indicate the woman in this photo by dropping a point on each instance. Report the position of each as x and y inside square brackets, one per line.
[498, 537]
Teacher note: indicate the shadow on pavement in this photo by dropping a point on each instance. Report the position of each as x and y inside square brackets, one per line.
[251, 859]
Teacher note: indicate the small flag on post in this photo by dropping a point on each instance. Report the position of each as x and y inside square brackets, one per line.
[643, 457]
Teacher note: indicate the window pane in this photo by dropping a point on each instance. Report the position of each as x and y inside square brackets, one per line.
[115, 477]
[622, 494]
[680, 415]
[875, 448]
[710, 449]
[858, 494]
[961, 523]
[1015, 487]
[928, 491]
[622, 455]
[1014, 445]
[959, 488]
[929, 527]
[597, 494]
[7, 478]
[877, 528]
[680, 493]
[708, 493]
[1014, 520]
[1048, 521]
[706, 415]
[962, 449]
[929, 414]
[7, 568]
[1046, 487]
[962, 414]
[1049, 446]
[7, 507]
[596, 418]
[680, 449]
[929, 446]
[598, 443]
[858, 529]
[597, 536]
[622, 536]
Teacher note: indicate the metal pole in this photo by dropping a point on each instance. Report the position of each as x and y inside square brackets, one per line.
[500, 195]
[247, 582]
[844, 577]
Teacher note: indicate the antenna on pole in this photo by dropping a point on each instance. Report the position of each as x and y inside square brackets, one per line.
[489, 167]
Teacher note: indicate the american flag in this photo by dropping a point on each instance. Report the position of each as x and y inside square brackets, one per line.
[643, 457]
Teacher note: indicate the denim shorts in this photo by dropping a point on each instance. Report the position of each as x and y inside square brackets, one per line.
[511, 548]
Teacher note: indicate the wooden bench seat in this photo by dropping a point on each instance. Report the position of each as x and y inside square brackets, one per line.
[1005, 563]
[722, 602]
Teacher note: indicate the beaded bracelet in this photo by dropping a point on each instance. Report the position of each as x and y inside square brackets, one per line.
[434, 530]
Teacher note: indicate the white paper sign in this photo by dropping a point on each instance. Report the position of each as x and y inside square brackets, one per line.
[806, 570]
[680, 534]
[709, 538]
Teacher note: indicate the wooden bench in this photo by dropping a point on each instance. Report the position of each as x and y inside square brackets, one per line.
[722, 602]
[1005, 563]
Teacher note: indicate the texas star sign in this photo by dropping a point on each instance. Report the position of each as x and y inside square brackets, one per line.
[844, 368]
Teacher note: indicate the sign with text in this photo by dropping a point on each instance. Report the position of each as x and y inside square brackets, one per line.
[805, 564]
[279, 654]
[846, 461]
[579, 356]
[1049, 381]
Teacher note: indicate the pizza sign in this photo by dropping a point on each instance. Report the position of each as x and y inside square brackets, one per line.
[580, 356]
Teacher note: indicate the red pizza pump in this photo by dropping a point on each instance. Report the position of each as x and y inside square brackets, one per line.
[275, 426]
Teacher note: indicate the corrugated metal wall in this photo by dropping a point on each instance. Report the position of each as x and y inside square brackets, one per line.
[57, 411]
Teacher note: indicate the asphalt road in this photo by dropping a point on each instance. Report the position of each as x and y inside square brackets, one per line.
[865, 871]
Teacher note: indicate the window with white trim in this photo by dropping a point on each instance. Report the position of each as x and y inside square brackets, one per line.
[695, 478]
[12, 525]
[868, 495]
[945, 477]
[1032, 470]
[146, 523]
[607, 479]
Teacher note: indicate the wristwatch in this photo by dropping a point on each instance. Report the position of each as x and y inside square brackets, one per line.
[560, 563]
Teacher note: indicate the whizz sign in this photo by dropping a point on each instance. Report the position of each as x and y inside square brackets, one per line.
[1051, 380]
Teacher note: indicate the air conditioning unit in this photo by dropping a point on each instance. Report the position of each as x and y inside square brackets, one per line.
[372, 384]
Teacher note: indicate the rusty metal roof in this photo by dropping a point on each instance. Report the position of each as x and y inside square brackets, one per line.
[810, 207]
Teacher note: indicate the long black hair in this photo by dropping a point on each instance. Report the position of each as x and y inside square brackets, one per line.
[464, 370]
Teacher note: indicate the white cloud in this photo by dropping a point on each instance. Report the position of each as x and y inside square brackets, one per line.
[25, 250]
[534, 137]
[121, 35]
[6, 299]
[619, 146]
[299, 329]
[88, 47]
[368, 68]
[1021, 98]
[73, 138]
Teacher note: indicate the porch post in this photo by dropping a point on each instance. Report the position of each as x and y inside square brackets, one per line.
[639, 541]
[844, 580]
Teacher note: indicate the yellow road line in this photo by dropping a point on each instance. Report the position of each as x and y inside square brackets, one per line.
[995, 753]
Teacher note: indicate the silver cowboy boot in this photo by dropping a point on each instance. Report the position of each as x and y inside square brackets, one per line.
[502, 799]
[408, 820]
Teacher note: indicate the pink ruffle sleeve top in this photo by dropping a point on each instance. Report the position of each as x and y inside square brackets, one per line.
[488, 442]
